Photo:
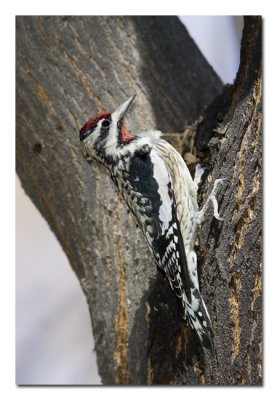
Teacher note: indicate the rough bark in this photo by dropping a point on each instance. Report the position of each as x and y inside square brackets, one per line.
[67, 70]
[231, 251]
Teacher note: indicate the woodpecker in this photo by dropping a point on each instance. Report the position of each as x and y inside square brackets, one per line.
[156, 185]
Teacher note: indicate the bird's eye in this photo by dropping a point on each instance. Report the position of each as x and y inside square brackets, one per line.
[105, 123]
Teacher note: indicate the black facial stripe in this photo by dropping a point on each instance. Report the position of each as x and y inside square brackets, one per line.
[105, 129]
[104, 132]
[85, 133]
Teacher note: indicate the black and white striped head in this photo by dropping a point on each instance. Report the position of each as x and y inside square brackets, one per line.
[104, 135]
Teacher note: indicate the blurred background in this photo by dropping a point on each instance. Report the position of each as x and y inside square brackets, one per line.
[54, 343]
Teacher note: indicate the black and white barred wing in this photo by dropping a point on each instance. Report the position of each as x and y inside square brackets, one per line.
[185, 195]
[150, 196]
[159, 197]
[172, 259]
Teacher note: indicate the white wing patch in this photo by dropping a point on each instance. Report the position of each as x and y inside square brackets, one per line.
[163, 179]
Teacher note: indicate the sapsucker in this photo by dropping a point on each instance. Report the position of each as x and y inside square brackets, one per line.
[156, 185]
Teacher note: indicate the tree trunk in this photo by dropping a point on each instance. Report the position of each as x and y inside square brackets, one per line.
[69, 68]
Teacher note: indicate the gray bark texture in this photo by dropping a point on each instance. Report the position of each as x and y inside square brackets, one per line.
[68, 69]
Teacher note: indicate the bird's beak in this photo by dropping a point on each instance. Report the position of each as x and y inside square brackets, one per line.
[121, 110]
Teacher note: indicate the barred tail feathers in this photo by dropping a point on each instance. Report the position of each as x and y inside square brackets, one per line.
[198, 317]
